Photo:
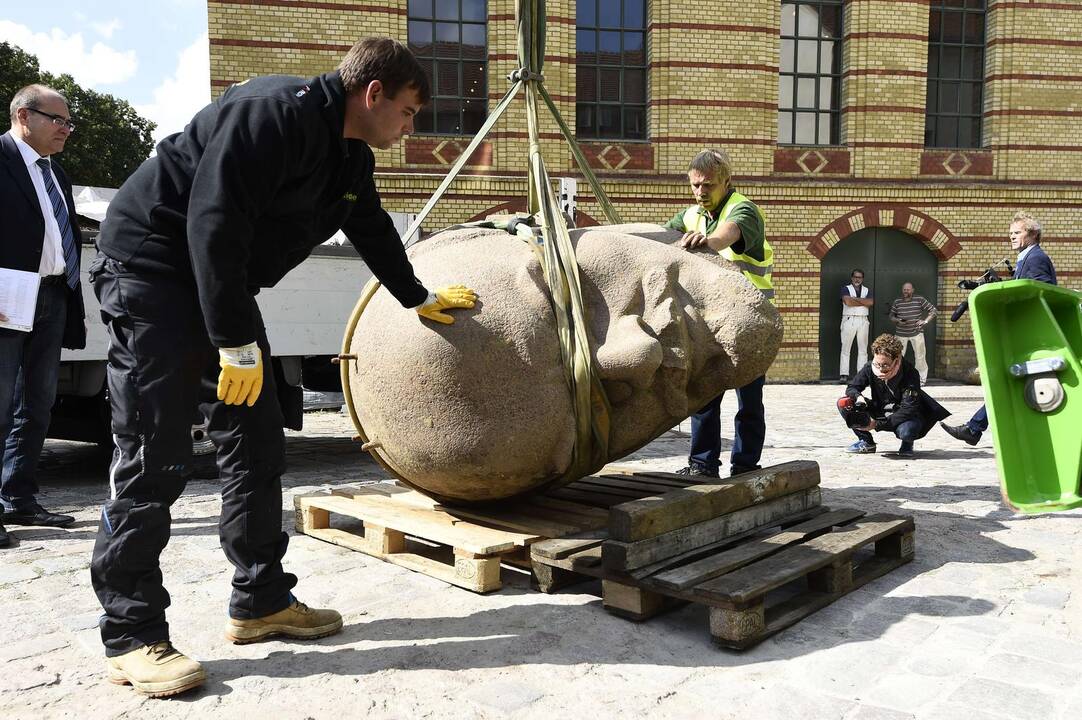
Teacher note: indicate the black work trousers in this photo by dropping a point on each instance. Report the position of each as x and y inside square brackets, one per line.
[162, 369]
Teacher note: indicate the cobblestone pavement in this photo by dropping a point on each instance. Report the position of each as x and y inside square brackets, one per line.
[985, 623]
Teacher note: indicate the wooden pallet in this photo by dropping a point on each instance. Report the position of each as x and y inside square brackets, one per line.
[756, 584]
[467, 546]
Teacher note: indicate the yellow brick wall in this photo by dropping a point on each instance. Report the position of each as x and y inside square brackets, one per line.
[1033, 101]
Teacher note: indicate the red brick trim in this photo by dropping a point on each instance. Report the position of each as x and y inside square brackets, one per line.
[712, 27]
[884, 109]
[889, 72]
[1047, 148]
[805, 345]
[694, 102]
[811, 161]
[303, 4]
[903, 218]
[713, 65]
[795, 273]
[878, 144]
[616, 156]
[561, 59]
[956, 342]
[557, 19]
[1057, 42]
[424, 149]
[899, 2]
[879, 34]
[1032, 5]
[956, 163]
[713, 140]
[1033, 76]
[798, 310]
[278, 45]
[1034, 113]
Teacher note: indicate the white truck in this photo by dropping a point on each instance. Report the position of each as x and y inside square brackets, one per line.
[305, 316]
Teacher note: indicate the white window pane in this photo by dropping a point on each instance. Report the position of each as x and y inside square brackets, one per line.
[826, 57]
[824, 128]
[805, 92]
[785, 127]
[825, 86]
[806, 56]
[787, 55]
[805, 128]
[785, 91]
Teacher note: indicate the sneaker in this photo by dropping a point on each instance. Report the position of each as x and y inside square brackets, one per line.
[843, 380]
[906, 449]
[861, 447]
[5, 539]
[696, 471]
[159, 670]
[296, 621]
[741, 469]
[961, 432]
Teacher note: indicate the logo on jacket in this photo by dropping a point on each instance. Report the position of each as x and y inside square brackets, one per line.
[350, 197]
[303, 91]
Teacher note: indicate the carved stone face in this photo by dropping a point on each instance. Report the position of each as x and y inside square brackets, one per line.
[481, 409]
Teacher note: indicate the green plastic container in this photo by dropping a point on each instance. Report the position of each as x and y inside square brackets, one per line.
[1029, 341]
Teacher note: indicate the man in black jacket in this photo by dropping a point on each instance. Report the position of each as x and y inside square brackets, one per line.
[897, 405]
[258, 179]
[1033, 264]
[38, 235]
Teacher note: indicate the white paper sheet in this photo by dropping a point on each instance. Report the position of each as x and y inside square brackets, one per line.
[18, 299]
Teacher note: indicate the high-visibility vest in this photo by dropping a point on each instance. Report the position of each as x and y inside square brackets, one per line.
[758, 272]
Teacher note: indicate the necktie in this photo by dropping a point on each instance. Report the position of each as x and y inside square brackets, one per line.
[60, 210]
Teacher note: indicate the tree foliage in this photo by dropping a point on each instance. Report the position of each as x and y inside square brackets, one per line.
[110, 139]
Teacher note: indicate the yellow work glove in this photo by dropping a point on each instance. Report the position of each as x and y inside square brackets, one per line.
[241, 378]
[446, 298]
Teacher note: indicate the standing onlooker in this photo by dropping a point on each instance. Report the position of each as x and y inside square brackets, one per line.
[37, 234]
[910, 314]
[1033, 264]
[857, 301]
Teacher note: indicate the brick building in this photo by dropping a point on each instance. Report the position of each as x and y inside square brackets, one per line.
[897, 135]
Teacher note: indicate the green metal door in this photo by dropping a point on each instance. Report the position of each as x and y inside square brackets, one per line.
[888, 258]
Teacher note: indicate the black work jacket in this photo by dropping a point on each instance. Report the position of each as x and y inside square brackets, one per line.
[896, 400]
[253, 184]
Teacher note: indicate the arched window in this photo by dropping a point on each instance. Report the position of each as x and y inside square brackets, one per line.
[809, 89]
[449, 38]
[955, 74]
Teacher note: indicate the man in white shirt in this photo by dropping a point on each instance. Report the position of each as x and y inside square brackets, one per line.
[38, 234]
[857, 301]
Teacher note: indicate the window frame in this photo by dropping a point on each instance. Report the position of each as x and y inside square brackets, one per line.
[621, 106]
[934, 115]
[445, 108]
[794, 110]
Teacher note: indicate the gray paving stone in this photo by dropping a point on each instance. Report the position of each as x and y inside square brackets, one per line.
[11, 573]
[1022, 670]
[908, 691]
[1009, 700]
[35, 646]
[871, 712]
[1049, 596]
[504, 696]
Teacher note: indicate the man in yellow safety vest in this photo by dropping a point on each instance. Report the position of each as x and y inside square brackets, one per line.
[724, 221]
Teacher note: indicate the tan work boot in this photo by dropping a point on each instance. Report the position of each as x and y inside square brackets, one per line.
[296, 621]
[159, 670]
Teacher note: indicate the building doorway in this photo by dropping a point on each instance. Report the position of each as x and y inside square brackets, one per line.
[889, 258]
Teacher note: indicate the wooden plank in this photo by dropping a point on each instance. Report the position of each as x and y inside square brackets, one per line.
[602, 489]
[649, 517]
[637, 480]
[513, 521]
[625, 556]
[557, 548]
[591, 516]
[632, 602]
[594, 499]
[718, 564]
[646, 571]
[428, 524]
[753, 581]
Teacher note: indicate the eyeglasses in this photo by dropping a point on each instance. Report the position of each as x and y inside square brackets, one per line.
[881, 366]
[58, 120]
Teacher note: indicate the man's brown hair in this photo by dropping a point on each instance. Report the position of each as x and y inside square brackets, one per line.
[1029, 224]
[714, 163]
[386, 60]
[887, 344]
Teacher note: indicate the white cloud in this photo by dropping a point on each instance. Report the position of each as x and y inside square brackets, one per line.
[59, 52]
[106, 29]
[181, 95]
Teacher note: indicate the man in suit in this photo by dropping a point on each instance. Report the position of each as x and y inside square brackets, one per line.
[38, 233]
[1033, 264]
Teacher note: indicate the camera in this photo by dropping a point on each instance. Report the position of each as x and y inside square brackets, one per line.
[854, 412]
[989, 276]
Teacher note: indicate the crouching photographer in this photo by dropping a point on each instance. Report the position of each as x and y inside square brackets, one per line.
[897, 405]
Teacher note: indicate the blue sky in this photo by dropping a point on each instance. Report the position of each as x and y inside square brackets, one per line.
[152, 53]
